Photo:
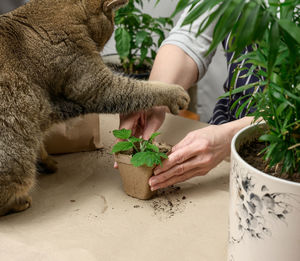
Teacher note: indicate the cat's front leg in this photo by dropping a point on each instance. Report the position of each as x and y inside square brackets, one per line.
[46, 164]
[17, 167]
[98, 89]
[173, 96]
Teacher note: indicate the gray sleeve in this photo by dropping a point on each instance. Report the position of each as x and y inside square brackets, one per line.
[195, 46]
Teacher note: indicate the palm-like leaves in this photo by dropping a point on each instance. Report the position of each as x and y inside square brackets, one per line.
[274, 26]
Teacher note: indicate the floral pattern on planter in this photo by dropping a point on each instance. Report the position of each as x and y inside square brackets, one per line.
[257, 206]
[231, 258]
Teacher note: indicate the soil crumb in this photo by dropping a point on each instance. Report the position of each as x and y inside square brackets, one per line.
[168, 202]
[250, 152]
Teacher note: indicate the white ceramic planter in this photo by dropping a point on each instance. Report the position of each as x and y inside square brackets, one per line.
[264, 218]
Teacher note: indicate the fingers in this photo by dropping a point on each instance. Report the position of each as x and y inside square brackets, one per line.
[177, 179]
[176, 170]
[116, 165]
[148, 132]
[151, 126]
[183, 151]
[132, 122]
[153, 120]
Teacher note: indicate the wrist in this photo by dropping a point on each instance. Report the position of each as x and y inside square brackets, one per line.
[233, 127]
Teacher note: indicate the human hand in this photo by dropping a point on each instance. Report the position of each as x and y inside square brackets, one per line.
[195, 155]
[143, 123]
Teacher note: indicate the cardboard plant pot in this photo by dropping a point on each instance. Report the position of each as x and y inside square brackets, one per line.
[264, 216]
[134, 179]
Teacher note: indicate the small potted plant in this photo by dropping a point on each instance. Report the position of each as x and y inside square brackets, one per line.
[264, 201]
[138, 36]
[136, 159]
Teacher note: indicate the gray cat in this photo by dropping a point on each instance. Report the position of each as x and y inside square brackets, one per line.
[51, 70]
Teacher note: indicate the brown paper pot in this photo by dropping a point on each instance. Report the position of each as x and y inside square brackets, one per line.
[134, 179]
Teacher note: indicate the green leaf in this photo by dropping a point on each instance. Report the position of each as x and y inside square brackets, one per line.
[269, 137]
[153, 54]
[242, 88]
[144, 52]
[140, 37]
[153, 136]
[152, 147]
[145, 158]
[163, 155]
[236, 102]
[122, 146]
[122, 134]
[134, 139]
[281, 108]
[159, 32]
[123, 40]
[226, 22]
[204, 6]
[182, 4]
[286, 92]
[245, 28]
[274, 47]
[242, 107]
[270, 150]
[291, 28]
[261, 25]
[273, 6]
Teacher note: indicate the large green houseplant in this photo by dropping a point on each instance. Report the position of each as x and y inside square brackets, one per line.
[264, 210]
[272, 28]
[138, 35]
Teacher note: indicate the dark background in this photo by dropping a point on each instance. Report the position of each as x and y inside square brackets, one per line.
[8, 5]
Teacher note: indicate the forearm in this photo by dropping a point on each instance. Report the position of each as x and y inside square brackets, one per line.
[231, 128]
[173, 65]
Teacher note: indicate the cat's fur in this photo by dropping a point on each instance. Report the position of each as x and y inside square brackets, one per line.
[51, 70]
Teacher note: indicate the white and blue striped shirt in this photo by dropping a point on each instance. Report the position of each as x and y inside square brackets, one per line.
[196, 47]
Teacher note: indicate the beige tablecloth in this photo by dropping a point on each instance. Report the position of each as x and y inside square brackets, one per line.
[81, 212]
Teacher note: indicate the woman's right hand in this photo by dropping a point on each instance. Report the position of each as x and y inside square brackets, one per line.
[143, 123]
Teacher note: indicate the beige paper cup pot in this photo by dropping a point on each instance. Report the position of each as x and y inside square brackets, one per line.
[135, 179]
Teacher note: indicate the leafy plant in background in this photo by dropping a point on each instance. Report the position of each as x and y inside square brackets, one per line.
[144, 151]
[271, 27]
[138, 35]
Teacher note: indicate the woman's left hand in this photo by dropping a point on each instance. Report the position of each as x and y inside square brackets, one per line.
[195, 155]
[199, 152]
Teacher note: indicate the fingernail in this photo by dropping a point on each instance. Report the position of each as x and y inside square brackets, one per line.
[153, 188]
[152, 182]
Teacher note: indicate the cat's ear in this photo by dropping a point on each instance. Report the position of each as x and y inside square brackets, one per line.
[111, 5]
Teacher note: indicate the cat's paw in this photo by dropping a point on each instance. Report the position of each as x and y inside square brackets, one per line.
[179, 100]
[47, 166]
[21, 204]
[17, 205]
[171, 95]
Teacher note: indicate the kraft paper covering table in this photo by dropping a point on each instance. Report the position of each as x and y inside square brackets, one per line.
[81, 212]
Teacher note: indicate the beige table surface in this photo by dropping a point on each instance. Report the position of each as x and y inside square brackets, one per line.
[81, 212]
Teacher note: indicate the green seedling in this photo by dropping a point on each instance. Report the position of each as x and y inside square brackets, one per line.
[144, 152]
